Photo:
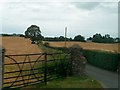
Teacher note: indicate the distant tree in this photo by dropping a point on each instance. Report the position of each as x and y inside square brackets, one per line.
[33, 32]
[21, 35]
[6, 35]
[61, 38]
[70, 39]
[108, 39]
[102, 39]
[97, 38]
[90, 38]
[79, 38]
[117, 40]
[107, 36]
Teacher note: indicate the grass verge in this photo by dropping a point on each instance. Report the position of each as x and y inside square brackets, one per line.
[72, 82]
[48, 50]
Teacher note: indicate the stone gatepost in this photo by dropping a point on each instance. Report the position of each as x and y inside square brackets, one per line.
[78, 61]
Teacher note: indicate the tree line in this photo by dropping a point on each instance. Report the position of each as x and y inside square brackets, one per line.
[98, 38]
[103, 39]
[14, 34]
[34, 33]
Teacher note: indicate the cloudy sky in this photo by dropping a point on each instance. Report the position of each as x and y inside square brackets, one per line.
[52, 16]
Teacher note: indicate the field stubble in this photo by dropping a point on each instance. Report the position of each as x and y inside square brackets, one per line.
[90, 46]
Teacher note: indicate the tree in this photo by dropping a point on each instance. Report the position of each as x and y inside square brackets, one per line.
[70, 39]
[61, 38]
[102, 39]
[117, 40]
[33, 32]
[108, 39]
[79, 38]
[97, 38]
[90, 38]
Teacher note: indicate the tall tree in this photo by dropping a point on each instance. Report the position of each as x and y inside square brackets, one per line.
[33, 32]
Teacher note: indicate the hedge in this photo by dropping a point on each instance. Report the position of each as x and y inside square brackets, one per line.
[105, 60]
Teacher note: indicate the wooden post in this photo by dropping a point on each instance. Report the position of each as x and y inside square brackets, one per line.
[2, 55]
[65, 35]
[45, 70]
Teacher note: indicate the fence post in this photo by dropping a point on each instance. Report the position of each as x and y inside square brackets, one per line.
[45, 70]
[2, 55]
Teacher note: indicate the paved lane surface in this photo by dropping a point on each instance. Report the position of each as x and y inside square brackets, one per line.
[106, 78]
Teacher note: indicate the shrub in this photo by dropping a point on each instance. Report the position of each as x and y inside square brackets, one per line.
[78, 61]
[46, 44]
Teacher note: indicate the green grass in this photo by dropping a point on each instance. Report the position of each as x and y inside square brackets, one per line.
[72, 82]
[48, 50]
[68, 82]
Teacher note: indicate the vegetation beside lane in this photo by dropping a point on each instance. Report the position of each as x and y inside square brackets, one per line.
[69, 81]
[72, 82]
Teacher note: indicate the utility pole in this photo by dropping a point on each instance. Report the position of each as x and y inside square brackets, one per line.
[65, 35]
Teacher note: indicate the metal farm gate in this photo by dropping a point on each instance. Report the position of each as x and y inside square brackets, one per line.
[29, 69]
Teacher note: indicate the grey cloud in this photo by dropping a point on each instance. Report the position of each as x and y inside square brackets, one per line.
[109, 7]
[86, 5]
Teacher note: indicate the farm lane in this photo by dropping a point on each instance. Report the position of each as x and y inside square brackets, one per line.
[108, 79]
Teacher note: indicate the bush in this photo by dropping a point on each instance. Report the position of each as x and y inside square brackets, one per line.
[59, 66]
[46, 44]
[78, 61]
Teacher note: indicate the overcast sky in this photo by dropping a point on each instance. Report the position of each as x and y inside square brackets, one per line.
[52, 16]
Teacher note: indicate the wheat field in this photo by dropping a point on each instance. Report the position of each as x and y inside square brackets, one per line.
[89, 45]
[19, 45]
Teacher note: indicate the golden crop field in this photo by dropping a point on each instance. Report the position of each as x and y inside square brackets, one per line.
[19, 45]
[89, 45]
